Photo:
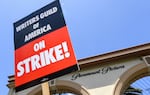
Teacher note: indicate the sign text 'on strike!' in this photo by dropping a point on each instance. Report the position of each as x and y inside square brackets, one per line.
[44, 58]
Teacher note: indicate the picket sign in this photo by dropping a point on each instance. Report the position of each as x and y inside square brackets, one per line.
[43, 48]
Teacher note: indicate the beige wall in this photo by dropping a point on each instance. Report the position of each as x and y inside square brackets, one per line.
[107, 74]
[103, 84]
[94, 80]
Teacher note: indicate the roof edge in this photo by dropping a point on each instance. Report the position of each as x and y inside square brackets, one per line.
[139, 50]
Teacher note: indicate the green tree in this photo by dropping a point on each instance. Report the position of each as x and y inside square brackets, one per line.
[132, 91]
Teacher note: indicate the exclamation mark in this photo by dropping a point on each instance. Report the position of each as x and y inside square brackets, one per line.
[65, 47]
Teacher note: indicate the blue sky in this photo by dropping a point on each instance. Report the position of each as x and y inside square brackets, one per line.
[95, 27]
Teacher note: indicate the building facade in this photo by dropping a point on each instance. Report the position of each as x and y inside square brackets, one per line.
[106, 74]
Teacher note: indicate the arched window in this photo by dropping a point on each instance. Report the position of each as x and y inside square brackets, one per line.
[62, 87]
[126, 82]
[139, 87]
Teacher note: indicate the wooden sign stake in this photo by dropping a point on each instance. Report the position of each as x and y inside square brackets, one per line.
[45, 88]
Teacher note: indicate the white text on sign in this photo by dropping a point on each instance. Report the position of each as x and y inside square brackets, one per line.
[44, 58]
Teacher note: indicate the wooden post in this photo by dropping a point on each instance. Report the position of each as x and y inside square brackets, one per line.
[45, 88]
